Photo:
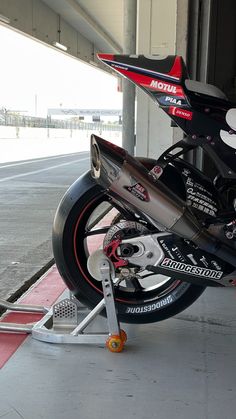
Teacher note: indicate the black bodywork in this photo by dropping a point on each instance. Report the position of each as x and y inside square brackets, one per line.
[198, 211]
[205, 115]
[201, 112]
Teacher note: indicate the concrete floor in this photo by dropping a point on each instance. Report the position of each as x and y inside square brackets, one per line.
[184, 367]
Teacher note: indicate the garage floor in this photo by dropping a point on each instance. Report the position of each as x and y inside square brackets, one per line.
[184, 367]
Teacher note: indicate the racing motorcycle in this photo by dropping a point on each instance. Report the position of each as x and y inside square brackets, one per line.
[168, 229]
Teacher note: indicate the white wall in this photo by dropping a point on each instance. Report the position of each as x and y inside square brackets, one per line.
[156, 34]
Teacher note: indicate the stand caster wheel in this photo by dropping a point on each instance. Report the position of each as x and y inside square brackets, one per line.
[115, 343]
[123, 335]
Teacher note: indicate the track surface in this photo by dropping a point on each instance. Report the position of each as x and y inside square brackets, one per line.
[30, 192]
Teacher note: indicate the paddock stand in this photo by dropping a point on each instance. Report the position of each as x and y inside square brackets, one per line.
[61, 323]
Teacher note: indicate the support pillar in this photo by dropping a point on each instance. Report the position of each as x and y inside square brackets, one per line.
[199, 51]
[129, 33]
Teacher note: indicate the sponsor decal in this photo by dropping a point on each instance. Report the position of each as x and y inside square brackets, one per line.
[172, 251]
[122, 67]
[178, 253]
[201, 202]
[166, 248]
[204, 261]
[150, 307]
[186, 172]
[191, 257]
[138, 191]
[189, 269]
[156, 171]
[173, 100]
[148, 82]
[180, 113]
[198, 196]
[161, 86]
[216, 265]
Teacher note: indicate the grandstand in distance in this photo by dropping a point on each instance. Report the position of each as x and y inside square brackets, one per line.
[84, 112]
[73, 119]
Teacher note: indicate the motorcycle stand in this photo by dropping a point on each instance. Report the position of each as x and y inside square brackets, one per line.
[61, 323]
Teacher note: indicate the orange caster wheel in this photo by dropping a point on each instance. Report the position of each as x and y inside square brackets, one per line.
[115, 343]
[123, 335]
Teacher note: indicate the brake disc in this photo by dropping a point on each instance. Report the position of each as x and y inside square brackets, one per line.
[124, 230]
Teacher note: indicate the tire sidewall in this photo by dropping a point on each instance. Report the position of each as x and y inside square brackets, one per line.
[157, 309]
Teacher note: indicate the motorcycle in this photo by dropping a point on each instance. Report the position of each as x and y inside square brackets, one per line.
[168, 229]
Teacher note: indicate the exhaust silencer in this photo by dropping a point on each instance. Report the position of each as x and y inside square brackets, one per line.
[125, 177]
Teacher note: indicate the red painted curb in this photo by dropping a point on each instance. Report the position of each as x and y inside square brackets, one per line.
[44, 293]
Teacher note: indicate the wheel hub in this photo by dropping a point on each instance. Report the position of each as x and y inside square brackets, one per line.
[113, 247]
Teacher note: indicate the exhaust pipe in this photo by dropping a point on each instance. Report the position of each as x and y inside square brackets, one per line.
[125, 177]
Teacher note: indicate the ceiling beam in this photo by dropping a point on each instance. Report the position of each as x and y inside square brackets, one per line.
[94, 26]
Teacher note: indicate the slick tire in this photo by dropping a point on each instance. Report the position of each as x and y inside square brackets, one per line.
[70, 233]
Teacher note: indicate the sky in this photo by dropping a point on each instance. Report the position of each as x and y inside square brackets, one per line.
[35, 77]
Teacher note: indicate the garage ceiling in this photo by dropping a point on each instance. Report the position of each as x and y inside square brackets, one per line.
[100, 21]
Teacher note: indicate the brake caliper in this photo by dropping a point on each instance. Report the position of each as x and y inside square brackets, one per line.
[111, 252]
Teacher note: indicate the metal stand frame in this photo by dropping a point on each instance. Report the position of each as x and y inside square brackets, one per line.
[61, 323]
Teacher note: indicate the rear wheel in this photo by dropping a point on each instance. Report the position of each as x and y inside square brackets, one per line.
[144, 298]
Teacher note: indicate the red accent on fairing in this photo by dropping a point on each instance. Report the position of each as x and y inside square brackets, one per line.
[176, 70]
[180, 113]
[108, 57]
[151, 83]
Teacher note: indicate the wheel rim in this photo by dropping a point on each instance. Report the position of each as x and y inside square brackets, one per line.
[89, 232]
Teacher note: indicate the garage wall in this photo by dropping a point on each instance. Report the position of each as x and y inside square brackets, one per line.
[162, 29]
[36, 19]
[222, 57]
